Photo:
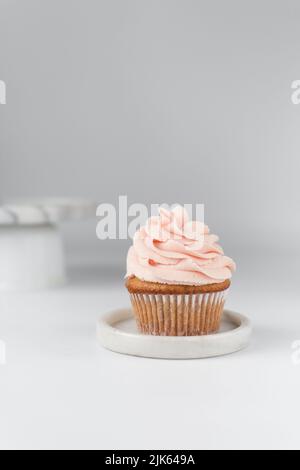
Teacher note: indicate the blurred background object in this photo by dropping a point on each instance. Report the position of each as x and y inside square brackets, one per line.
[31, 246]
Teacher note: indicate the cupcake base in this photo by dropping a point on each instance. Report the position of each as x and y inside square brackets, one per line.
[177, 314]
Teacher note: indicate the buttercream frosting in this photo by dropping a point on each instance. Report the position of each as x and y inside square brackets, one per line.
[171, 249]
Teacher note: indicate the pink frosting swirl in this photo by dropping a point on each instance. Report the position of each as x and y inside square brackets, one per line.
[171, 249]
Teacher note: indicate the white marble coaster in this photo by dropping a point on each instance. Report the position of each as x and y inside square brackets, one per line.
[117, 331]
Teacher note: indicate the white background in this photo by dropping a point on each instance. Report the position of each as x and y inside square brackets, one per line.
[60, 389]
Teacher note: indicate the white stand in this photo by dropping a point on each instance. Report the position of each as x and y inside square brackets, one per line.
[31, 257]
[31, 248]
[117, 331]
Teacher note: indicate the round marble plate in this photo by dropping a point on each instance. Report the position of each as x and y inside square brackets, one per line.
[117, 331]
[45, 211]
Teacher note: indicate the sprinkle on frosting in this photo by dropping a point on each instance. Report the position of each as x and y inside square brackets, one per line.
[171, 249]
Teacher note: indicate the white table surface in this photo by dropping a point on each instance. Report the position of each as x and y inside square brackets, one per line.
[59, 389]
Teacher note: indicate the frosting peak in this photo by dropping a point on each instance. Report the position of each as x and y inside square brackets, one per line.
[171, 249]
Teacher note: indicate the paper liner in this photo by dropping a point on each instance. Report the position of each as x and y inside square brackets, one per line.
[178, 315]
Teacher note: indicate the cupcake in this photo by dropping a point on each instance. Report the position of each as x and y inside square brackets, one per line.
[177, 276]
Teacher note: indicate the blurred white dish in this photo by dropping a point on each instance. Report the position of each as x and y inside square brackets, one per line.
[117, 331]
[45, 211]
[31, 247]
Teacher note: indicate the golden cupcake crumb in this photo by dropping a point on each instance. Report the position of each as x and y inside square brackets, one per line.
[137, 286]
